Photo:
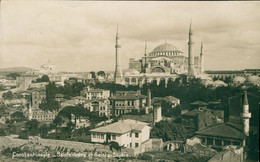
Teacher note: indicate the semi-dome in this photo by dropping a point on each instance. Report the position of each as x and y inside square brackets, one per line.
[239, 79]
[166, 47]
[253, 79]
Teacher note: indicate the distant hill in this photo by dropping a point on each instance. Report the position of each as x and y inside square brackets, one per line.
[15, 69]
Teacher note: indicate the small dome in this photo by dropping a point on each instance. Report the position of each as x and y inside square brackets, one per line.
[253, 79]
[166, 47]
[239, 79]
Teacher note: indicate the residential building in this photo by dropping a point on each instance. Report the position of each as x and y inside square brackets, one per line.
[128, 133]
[98, 105]
[126, 101]
[80, 121]
[90, 94]
[199, 118]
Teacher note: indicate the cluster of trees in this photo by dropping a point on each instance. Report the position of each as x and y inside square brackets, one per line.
[44, 78]
[8, 95]
[13, 75]
[167, 131]
[100, 73]
[33, 128]
[50, 103]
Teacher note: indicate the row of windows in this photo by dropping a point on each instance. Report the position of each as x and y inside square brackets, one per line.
[98, 136]
[136, 144]
[164, 54]
[136, 135]
[44, 116]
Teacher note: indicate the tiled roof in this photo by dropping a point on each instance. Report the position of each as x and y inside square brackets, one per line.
[97, 90]
[121, 127]
[222, 130]
[199, 103]
[193, 112]
[127, 96]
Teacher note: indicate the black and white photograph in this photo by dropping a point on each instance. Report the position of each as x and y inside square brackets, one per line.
[159, 81]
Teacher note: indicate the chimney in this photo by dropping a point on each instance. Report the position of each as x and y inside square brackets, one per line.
[157, 113]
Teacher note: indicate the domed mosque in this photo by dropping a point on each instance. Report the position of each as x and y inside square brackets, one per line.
[164, 62]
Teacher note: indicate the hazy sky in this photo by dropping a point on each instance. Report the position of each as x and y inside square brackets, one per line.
[80, 35]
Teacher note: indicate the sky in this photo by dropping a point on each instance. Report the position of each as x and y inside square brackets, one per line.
[80, 35]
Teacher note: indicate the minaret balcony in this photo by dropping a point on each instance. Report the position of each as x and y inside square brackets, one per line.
[245, 115]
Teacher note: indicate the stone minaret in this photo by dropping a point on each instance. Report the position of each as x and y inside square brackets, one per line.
[190, 54]
[201, 58]
[245, 115]
[118, 77]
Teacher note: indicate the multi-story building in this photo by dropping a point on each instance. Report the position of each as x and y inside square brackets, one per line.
[96, 100]
[200, 118]
[126, 101]
[98, 105]
[128, 133]
[95, 93]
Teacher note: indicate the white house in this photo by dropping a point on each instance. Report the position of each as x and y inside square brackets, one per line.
[128, 133]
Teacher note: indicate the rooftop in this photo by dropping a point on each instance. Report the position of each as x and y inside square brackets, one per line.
[222, 130]
[121, 127]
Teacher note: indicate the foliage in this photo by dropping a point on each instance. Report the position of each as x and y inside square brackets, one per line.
[166, 130]
[44, 78]
[13, 75]
[32, 127]
[101, 73]
[144, 157]
[93, 74]
[8, 95]
[24, 134]
[2, 87]
[50, 103]
[17, 116]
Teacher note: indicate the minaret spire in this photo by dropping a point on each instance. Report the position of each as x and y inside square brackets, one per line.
[201, 58]
[245, 115]
[118, 76]
[190, 53]
[145, 48]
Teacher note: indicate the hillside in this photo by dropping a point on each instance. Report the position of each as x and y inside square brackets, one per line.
[15, 69]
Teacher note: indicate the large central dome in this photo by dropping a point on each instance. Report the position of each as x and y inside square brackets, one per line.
[166, 47]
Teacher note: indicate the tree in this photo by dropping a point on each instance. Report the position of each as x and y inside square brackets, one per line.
[17, 116]
[50, 103]
[93, 74]
[44, 131]
[77, 87]
[101, 73]
[13, 75]
[32, 127]
[44, 78]
[8, 95]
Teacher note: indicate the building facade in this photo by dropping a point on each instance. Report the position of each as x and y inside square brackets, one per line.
[128, 133]
[126, 101]
[164, 62]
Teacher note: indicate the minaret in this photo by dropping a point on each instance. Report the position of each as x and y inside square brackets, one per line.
[201, 58]
[118, 77]
[190, 54]
[246, 115]
[145, 55]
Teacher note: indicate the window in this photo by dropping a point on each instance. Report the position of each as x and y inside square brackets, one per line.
[113, 137]
[136, 135]
[130, 134]
[94, 135]
[130, 144]
[102, 136]
[136, 144]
